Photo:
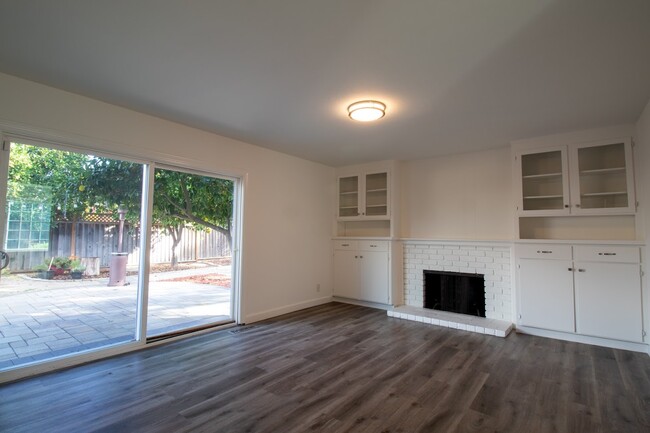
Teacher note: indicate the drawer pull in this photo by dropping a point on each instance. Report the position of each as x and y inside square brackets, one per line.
[570, 269]
[544, 252]
[345, 245]
[606, 254]
[373, 246]
[581, 270]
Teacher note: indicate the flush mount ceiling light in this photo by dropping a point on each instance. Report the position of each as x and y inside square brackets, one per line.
[366, 111]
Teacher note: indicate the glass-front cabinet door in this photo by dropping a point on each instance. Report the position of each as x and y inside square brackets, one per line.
[544, 182]
[376, 195]
[349, 203]
[363, 196]
[603, 178]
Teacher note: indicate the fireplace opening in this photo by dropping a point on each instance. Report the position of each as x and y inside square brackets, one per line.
[455, 292]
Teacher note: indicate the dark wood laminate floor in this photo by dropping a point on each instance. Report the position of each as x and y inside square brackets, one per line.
[342, 368]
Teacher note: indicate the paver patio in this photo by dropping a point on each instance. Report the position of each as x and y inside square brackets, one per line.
[62, 317]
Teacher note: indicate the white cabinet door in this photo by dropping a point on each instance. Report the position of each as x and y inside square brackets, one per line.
[602, 180]
[349, 197]
[346, 274]
[546, 294]
[608, 300]
[374, 276]
[543, 184]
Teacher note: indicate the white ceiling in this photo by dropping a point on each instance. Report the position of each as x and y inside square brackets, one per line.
[457, 75]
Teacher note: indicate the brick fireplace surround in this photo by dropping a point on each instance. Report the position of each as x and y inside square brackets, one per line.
[491, 259]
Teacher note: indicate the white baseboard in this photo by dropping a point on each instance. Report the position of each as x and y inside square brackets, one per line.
[263, 315]
[596, 341]
[362, 303]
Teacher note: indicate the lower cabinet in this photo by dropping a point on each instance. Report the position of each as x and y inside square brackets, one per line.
[591, 290]
[361, 270]
[608, 300]
[546, 294]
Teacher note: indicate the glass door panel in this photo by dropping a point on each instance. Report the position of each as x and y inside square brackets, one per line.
[376, 194]
[190, 283]
[349, 197]
[603, 177]
[67, 216]
[542, 181]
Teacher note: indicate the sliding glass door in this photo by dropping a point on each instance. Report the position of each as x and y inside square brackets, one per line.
[73, 250]
[67, 216]
[190, 284]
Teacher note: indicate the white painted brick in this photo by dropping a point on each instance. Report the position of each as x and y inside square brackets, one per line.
[493, 254]
[477, 253]
[460, 265]
[444, 252]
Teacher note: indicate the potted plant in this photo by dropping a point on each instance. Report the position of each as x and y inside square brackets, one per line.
[76, 269]
[44, 272]
[60, 265]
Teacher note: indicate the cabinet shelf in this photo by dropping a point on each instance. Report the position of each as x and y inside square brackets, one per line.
[349, 192]
[541, 197]
[542, 176]
[604, 170]
[377, 190]
[600, 194]
[375, 205]
[347, 207]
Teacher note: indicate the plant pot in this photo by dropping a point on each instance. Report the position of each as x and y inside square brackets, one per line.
[76, 275]
[46, 275]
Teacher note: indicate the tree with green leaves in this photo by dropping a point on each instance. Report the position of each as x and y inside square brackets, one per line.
[80, 183]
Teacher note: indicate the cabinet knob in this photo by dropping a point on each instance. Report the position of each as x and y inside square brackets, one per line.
[577, 204]
[566, 205]
[360, 257]
[356, 257]
[570, 269]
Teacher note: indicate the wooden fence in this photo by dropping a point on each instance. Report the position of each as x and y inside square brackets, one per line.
[100, 240]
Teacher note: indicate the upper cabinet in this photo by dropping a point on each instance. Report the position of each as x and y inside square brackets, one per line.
[579, 179]
[363, 196]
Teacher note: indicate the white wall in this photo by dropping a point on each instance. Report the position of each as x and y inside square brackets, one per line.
[288, 202]
[642, 166]
[465, 196]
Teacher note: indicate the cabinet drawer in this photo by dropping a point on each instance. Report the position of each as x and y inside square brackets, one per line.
[346, 245]
[373, 245]
[544, 251]
[606, 253]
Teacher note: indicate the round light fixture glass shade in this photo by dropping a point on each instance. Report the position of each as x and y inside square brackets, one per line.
[367, 111]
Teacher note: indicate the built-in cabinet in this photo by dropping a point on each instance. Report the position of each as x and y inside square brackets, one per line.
[363, 196]
[593, 178]
[367, 256]
[589, 290]
[362, 270]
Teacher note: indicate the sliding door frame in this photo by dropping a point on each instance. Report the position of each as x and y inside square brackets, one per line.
[149, 165]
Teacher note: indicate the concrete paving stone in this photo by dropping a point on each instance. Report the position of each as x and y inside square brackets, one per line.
[6, 350]
[6, 363]
[18, 344]
[15, 330]
[40, 340]
[63, 344]
[7, 340]
[31, 350]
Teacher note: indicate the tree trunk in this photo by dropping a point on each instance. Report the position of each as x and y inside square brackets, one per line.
[176, 233]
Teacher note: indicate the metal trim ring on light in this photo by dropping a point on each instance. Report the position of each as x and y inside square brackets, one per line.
[369, 106]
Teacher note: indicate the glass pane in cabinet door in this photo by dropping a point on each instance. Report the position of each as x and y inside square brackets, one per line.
[377, 194]
[349, 196]
[542, 181]
[603, 177]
